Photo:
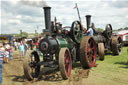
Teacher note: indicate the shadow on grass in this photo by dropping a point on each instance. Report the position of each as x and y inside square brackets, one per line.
[108, 53]
[122, 63]
[76, 65]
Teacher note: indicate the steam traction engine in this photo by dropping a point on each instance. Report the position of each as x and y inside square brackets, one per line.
[60, 48]
[105, 41]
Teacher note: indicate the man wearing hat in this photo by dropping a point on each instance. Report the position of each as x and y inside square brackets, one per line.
[2, 55]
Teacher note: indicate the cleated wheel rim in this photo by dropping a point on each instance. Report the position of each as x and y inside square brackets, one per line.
[65, 63]
[31, 69]
[116, 45]
[87, 52]
[108, 31]
[119, 45]
[101, 51]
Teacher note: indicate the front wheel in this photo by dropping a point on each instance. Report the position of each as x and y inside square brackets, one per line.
[101, 51]
[65, 63]
[31, 69]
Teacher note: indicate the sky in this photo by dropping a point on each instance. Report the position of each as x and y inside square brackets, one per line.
[18, 14]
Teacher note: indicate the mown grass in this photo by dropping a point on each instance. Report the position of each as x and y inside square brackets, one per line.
[112, 71]
[118, 62]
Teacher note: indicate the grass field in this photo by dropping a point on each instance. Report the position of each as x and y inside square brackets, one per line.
[112, 71]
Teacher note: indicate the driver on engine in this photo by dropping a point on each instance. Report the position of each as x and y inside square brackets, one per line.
[88, 32]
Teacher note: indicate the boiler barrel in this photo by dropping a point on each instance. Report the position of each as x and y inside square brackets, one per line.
[52, 45]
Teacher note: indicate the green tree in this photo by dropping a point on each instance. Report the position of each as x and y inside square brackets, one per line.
[99, 29]
[24, 34]
[126, 28]
[16, 35]
[120, 29]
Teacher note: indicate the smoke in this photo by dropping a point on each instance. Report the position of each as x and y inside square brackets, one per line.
[36, 3]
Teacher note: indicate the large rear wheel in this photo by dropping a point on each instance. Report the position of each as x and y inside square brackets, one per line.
[101, 51]
[116, 45]
[31, 69]
[65, 63]
[87, 52]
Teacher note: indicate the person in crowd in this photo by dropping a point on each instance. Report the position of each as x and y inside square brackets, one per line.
[15, 45]
[25, 48]
[6, 50]
[11, 51]
[18, 44]
[21, 49]
[2, 58]
[32, 45]
[37, 47]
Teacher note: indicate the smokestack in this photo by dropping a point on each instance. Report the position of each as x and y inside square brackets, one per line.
[88, 20]
[47, 16]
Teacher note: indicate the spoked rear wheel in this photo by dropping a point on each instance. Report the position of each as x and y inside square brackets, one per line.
[87, 52]
[31, 69]
[65, 63]
[116, 45]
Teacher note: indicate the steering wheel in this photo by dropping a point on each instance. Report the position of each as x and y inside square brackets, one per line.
[76, 31]
[108, 31]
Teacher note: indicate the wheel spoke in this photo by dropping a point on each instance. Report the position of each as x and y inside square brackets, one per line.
[90, 58]
[66, 66]
[78, 36]
[93, 48]
[88, 48]
[67, 63]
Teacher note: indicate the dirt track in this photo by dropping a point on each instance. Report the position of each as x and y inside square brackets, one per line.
[13, 75]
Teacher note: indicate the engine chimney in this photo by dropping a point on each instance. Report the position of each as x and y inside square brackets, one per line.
[88, 20]
[47, 15]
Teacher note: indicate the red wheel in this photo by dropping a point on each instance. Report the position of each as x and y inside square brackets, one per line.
[65, 63]
[87, 52]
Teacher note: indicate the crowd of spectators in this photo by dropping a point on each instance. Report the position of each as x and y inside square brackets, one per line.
[7, 49]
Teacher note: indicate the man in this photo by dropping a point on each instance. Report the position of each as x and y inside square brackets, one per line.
[37, 47]
[11, 51]
[15, 45]
[21, 49]
[25, 48]
[90, 31]
[2, 57]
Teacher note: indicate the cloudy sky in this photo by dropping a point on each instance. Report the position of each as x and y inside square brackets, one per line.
[17, 14]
